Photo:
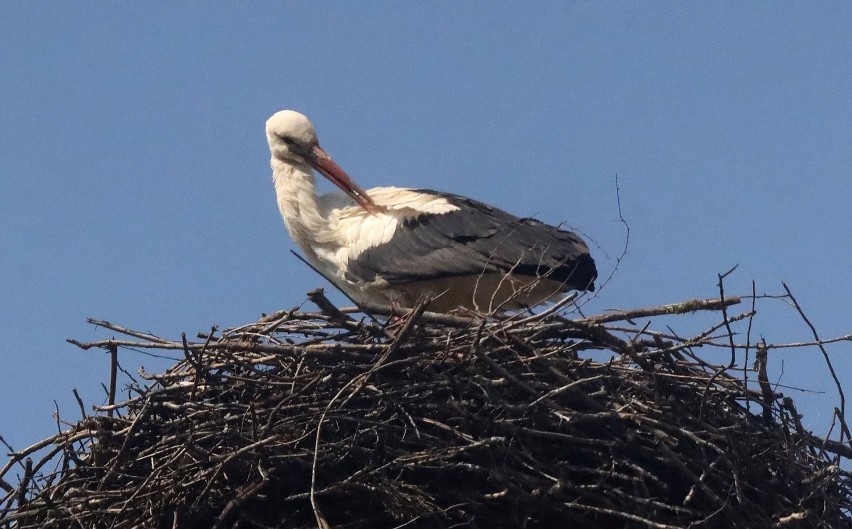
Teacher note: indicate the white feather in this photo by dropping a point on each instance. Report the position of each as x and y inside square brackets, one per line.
[358, 230]
[331, 230]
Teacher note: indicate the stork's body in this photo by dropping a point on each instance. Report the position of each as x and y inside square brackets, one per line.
[393, 245]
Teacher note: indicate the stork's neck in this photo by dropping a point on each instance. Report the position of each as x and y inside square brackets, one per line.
[296, 190]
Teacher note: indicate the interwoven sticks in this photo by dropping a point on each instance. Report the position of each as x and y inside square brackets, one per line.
[307, 420]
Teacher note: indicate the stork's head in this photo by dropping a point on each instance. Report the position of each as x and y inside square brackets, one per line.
[291, 136]
[292, 141]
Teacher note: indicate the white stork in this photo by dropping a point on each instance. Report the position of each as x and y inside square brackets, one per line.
[392, 245]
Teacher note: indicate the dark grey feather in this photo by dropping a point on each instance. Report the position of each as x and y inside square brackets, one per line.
[475, 239]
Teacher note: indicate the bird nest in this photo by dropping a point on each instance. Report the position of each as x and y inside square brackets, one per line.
[428, 420]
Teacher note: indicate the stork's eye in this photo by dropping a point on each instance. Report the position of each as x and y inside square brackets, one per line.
[288, 140]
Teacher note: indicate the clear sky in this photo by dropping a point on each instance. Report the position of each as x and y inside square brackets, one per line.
[136, 186]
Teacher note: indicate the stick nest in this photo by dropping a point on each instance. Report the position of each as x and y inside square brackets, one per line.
[319, 420]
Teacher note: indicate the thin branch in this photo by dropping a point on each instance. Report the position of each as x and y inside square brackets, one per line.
[819, 344]
[685, 307]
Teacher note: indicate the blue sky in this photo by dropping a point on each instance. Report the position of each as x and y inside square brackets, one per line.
[136, 186]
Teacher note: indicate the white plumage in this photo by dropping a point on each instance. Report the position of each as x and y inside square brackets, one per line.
[391, 245]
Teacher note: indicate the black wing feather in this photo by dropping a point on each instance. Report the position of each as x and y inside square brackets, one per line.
[475, 239]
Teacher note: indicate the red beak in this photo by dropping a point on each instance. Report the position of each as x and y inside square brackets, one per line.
[323, 163]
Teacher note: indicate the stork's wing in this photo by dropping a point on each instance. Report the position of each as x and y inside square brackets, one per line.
[472, 238]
